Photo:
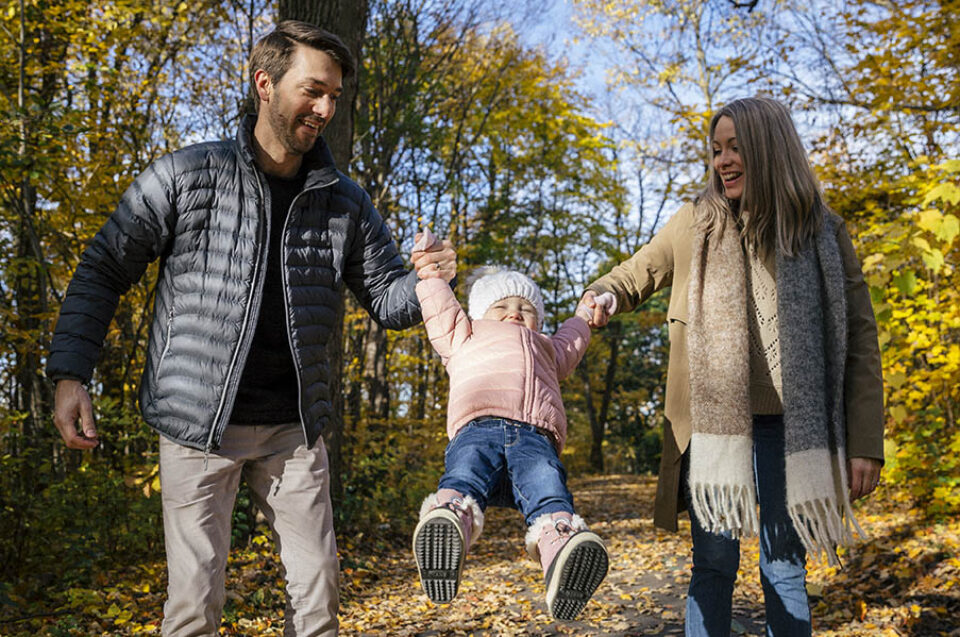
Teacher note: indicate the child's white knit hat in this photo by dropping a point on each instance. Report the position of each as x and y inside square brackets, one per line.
[500, 284]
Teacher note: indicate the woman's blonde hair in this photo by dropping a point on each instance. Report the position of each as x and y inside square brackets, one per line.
[781, 205]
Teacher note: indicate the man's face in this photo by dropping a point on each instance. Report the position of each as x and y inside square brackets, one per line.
[303, 102]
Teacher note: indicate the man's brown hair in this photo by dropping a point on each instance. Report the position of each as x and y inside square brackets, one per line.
[274, 51]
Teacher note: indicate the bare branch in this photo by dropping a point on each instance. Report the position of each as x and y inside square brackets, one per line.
[749, 6]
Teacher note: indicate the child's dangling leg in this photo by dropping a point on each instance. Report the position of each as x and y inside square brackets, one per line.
[574, 561]
[449, 524]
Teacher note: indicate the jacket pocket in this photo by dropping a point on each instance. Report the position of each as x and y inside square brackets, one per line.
[168, 336]
[676, 327]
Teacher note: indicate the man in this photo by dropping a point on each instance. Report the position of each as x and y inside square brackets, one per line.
[256, 239]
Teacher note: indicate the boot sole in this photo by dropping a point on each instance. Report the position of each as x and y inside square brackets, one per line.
[439, 549]
[575, 574]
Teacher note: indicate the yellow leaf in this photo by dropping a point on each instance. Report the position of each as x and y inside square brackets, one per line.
[946, 192]
[814, 589]
[896, 379]
[929, 220]
[899, 413]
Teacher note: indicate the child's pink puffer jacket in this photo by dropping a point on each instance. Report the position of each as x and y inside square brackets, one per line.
[498, 368]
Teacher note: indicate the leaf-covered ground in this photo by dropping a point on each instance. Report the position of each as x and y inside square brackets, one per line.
[904, 581]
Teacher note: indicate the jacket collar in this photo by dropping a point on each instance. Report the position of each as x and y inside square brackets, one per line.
[321, 170]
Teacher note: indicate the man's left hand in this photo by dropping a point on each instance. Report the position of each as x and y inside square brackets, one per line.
[434, 259]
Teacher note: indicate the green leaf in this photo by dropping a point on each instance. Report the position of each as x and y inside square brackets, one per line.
[906, 282]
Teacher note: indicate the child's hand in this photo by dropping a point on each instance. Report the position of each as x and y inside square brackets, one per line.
[423, 241]
[432, 258]
[584, 312]
[596, 309]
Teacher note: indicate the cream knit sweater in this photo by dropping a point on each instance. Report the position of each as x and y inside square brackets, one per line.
[766, 385]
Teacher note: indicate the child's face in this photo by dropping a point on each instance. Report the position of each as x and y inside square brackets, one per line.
[513, 309]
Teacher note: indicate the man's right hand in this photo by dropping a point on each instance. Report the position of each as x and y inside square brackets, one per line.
[72, 403]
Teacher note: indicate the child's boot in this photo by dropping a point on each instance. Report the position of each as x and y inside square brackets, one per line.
[574, 561]
[449, 524]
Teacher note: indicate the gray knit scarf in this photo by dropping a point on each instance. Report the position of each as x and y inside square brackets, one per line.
[811, 305]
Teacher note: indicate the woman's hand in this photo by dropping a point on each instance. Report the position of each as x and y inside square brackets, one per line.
[863, 474]
[596, 309]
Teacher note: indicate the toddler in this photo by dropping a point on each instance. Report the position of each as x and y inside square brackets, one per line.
[506, 424]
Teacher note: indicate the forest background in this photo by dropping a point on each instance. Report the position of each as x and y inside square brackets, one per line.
[559, 157]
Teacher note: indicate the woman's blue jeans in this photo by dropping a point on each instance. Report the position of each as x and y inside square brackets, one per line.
[782, 555]
[507, 463]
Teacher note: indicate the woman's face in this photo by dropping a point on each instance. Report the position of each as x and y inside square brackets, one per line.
[726, 158]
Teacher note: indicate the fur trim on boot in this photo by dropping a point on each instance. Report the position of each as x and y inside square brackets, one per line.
[574, 561]
[535, 530]
[476, 526]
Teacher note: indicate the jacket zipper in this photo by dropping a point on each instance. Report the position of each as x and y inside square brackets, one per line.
[233, 379]
[525, 340]
[286, 307]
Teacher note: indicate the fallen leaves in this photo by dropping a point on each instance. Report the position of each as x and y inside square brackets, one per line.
[905, 580]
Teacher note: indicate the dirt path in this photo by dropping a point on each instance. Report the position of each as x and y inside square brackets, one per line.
[904, 581]
[502, 590]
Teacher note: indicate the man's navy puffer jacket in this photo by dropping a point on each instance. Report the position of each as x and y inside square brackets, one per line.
[203, 211]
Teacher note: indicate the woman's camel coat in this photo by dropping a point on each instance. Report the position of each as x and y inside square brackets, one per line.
[665, 261]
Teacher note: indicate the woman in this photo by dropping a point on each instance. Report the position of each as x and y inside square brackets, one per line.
[774, 394]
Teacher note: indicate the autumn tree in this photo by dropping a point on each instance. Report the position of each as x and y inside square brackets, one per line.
[348, 20]
[887, 96]
[94, 96]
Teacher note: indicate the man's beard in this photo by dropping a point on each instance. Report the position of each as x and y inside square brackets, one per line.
[280, 125]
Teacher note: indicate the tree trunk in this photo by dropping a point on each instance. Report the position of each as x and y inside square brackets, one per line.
[614, 332]
[598, 418]
[375, 372]
[347, 19]
[30, 281]
[596, 449]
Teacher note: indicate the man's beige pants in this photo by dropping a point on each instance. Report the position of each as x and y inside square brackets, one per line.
[290, 485]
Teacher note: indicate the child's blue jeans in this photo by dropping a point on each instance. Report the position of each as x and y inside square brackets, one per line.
[507, 463]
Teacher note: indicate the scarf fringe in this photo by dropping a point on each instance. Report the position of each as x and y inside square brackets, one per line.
[823, 525]
[726, 507]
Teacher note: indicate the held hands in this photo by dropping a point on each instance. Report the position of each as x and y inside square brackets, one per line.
[596, 309]
[432, 258]
[863, 474]
[72, 402]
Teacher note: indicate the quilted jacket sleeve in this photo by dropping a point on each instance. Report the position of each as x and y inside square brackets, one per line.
[376, 274]
[570, 343]
[448, 326]
[134, 235]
